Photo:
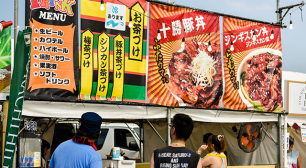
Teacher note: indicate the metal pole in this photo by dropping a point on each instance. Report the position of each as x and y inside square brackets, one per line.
[156, 131]
[15, 21]
[277, 9]
[168, 126]
[280, 141]
[140, 141]
[285, 139]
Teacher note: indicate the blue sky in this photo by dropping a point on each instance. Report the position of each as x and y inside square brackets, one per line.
[293, 41]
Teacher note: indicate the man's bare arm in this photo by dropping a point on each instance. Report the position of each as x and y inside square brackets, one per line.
[199, 163]
[152, 161]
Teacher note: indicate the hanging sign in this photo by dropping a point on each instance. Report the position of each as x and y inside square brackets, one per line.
[252, 66]
[296, 97]
[185, 67]
[5, 62]
[54, 60]
[113, 64]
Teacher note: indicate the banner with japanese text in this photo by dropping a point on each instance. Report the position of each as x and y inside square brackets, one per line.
[5, 62]
[54, 71]
[185, 67]
[113, 52]
[252, 66]
[17, 91]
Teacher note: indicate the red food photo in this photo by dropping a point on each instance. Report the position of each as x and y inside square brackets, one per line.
[261, 82]
[196, 74]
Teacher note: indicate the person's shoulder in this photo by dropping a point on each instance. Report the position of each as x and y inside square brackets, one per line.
[65, 144]
[95, 155]
[162, 149]
[194, 154]
[295, 152]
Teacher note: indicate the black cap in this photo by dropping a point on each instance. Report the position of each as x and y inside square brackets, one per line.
[91, 122]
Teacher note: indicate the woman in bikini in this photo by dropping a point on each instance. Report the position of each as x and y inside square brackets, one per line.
[215, 158]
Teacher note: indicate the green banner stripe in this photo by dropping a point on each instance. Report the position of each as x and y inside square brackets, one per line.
[94, 89]
[130, 92]
[134, 92]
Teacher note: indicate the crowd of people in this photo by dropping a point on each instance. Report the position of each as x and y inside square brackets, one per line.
[80, 151]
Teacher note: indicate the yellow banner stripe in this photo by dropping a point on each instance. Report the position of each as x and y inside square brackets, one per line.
[87, 41]
[103, 68]
[119, 63]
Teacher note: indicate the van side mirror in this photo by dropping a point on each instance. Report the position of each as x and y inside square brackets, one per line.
[133, 146]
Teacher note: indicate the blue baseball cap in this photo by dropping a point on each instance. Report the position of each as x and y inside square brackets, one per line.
[91, 122]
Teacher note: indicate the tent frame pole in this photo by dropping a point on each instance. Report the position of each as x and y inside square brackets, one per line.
[168, 126]
[16, 4]
[280, 141]
[285, 140]
[141, 140]
[156, 131]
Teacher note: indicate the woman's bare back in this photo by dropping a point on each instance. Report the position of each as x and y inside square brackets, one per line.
[215, 162]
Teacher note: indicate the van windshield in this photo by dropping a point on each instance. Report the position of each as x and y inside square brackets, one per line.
[123, 138]
[100, 141]
[137, 130]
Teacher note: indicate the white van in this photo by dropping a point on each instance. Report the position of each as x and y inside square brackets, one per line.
[124, 136]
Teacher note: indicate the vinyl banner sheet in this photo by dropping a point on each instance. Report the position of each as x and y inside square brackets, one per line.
[113, 50]
[185, 66]
[17, 92]
[54, 53]
[5, 62]
[252, 66]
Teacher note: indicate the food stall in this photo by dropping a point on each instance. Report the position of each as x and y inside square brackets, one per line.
[148, 77]
[216, 121]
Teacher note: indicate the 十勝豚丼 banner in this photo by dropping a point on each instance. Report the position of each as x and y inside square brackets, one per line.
[54, 52]
[185, 65]
[252, 66]
[113, 50]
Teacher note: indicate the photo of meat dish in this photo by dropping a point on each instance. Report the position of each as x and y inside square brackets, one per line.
[196, 74]
[261, 82]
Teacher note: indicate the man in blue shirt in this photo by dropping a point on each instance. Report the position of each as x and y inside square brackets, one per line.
[80, 151]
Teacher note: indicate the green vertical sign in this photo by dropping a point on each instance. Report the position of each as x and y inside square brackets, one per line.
[17, 90]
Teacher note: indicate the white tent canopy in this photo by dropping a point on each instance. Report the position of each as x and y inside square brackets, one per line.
[109, 111]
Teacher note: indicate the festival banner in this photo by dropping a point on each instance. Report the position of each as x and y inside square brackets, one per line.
[5, 62]
[113, 52]
[54, 70]
[185, 67]
[17, 92]
[252, 66]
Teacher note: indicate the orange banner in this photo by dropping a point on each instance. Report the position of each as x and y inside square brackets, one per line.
[52, 57]
[252, 66]
[185, 66]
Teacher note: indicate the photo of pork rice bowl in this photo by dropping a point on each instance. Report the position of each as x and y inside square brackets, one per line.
[259, 76]
[195, 74]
